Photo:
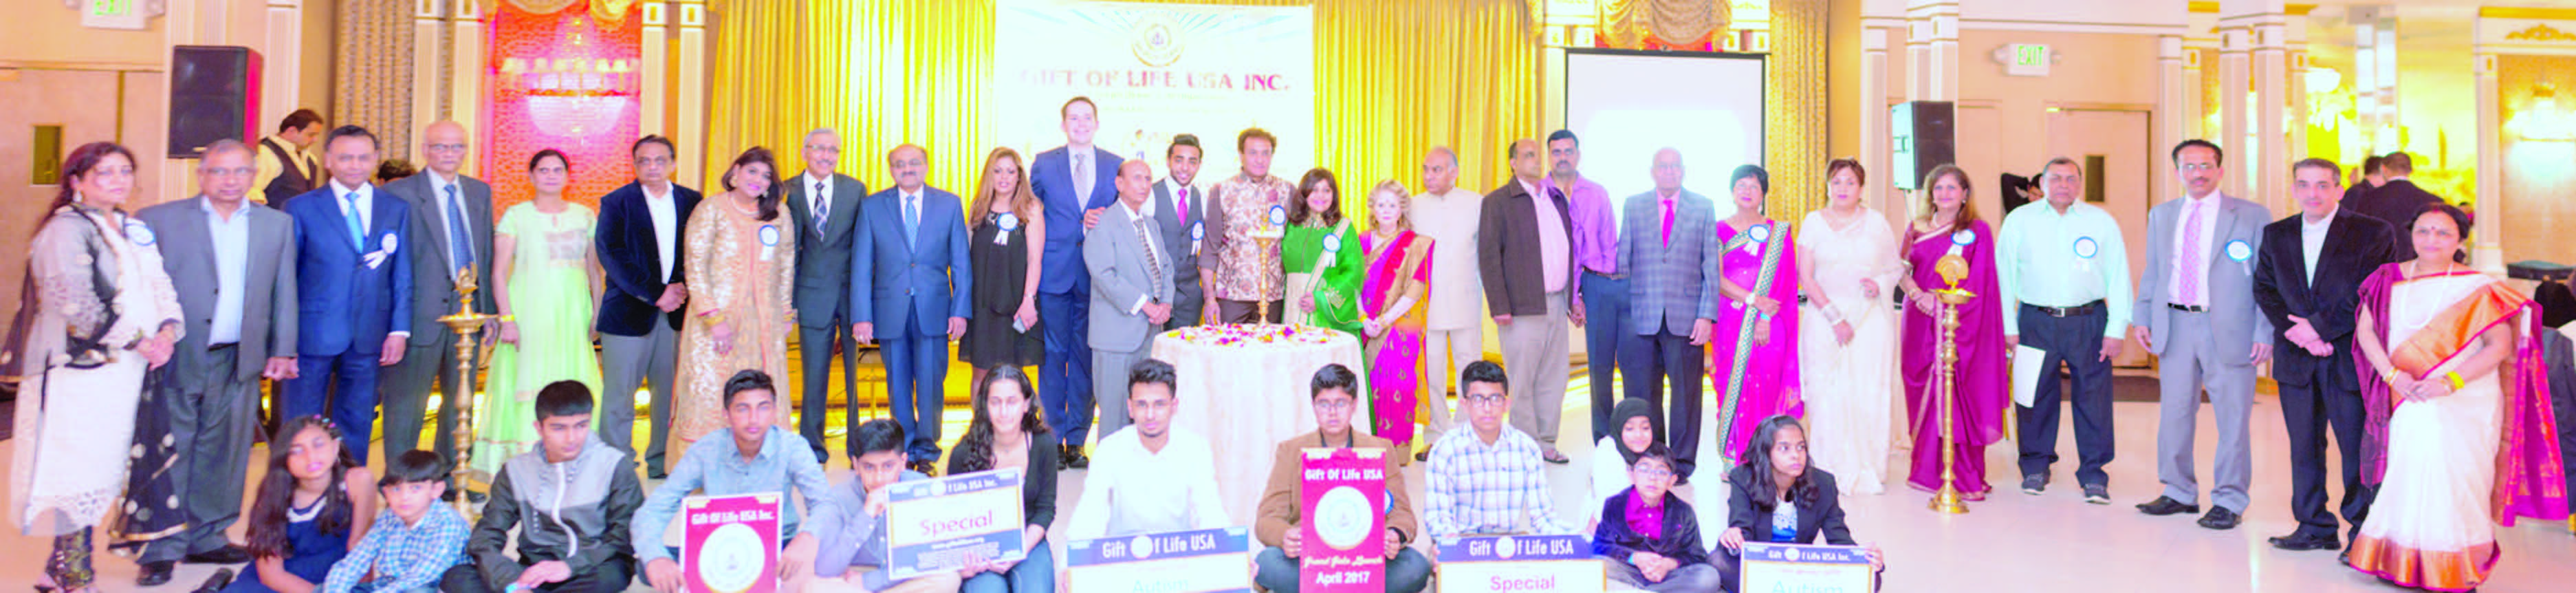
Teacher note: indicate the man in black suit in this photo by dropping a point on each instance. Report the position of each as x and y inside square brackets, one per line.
[2308, 281]
[639, 242]
[825, 205]
[2397, 200]
[2372, 174]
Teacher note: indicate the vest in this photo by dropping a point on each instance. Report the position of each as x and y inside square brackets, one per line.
[291, 179]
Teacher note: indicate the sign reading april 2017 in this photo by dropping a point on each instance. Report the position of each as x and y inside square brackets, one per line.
[1203, 561]
[1344, 502]
[1807, 569]
[934, 525]
[1517, 564]
[732, 543]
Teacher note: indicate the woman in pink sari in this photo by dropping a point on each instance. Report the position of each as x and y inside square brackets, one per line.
[1753, 354]
[1949, 225]
[1398, 272]
[2460, 426]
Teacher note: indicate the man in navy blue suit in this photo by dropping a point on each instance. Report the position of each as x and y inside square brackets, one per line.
[353, 277]
[907, 269]
[1074, 182]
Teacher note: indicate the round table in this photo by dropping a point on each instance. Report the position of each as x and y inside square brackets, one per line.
[1247, 395]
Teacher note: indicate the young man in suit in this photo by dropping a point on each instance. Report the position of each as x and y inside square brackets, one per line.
[2196, 313]
[1671, 259]
[825, 205]
[1179, 209]
[638, 239]
[1524, 251]
[908, 270]
[1132, 288]
[2396, 201]
[232, 262]
[1071, 181]
[2308, 282]
[353, 279]
[452, 218]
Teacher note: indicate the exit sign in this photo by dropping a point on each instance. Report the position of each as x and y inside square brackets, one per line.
[2026, 59]
[114, 14]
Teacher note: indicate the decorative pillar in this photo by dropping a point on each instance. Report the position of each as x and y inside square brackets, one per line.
[2235, 76]
[656, 67]
[281, 52]
[466, 57]
[692, 102]
[1932, 50]
[2267, 164]
[428, 65]
[2487, 253]
[2177, 105]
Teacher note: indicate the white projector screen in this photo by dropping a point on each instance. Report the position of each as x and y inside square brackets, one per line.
[1627, 105]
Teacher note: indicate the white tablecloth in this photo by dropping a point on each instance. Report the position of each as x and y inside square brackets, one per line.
[1246, 398]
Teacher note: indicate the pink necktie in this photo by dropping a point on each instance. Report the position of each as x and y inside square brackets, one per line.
[1668, 223]
[2192, 259]
[1181, 200]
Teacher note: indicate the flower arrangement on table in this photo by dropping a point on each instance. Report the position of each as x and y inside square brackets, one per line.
[1249, 334]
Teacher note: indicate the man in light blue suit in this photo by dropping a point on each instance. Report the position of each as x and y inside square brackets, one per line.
[1132, 286]
[1074, 182]
[353, 278]
[908, 269]
[2196, 312]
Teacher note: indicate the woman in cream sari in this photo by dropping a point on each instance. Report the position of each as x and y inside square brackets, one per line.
[1847, 330]
[2458, 408]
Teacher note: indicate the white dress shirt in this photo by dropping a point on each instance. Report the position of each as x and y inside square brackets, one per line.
[2312, 240]
[1132, 490]
[365, 213]
[815, 202]
[666, 228]
[231, 238]
[1143, 215]
[1457, 296]
[2207, 211]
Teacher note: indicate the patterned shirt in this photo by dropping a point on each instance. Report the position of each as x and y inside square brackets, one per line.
[404, 556]
[1476, 488]
[1241, 269]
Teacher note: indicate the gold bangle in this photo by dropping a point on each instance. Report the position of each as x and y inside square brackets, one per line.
[2456, 383]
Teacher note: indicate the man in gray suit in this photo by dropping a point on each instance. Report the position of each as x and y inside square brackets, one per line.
[233, 264]
[825, 205]
[1131, 290]
[1176, 209]
[2196, 312]
[1670, 253]
[452, 216]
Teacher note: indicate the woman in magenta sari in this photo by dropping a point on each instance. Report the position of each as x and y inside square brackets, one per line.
[1753, 354]
[1397, 275]
[2459, 415]
[1949, 225]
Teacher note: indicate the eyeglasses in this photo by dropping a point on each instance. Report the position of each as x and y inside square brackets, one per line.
[446, 147]
[1485, 400]
[2197, 167]
[1336, 405]
[1651, 472]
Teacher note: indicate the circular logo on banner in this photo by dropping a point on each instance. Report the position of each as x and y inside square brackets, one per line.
[1278, 216]
[1761, 233]
[1198, 230]
[731, 558]
[141, 234]
[1010, 222]
[390, 243]
[1505, 548]
[1333, 243]
[1963, 238]
[769, 235]
[2240, 251]
[1158, 40]
[2086, 248]
[1342, 518]
[1140, 548]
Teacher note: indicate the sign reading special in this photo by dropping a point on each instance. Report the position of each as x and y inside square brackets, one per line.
[1345, 526]
[1203, 561]
[1155, 70]
[1808, 569]
[1521, 564]
[932, 526]
[732, 543]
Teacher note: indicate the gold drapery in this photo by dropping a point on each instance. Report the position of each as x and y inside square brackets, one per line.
[608, 12]
[1630, 23]
[1793, 113]
[371, 84]
[1394, 78]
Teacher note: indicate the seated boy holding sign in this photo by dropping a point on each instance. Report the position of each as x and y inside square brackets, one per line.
[1283, 503]
[751, 456]
[854, 534]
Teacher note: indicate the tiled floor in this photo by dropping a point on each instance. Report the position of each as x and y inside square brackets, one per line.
[2011, 542]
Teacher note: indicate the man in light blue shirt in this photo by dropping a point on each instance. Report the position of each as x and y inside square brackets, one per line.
[854, 555]
[2065, 278]
[719, 466]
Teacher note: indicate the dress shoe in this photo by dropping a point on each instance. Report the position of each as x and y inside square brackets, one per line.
[1074, 459]
[2097, 494]
[2219, 518]
[2165, 505]
[1424, 456]
[925, 467]
[2034, 484]
[155, 573]
[2300, 542]
[229, 554]
[223, 577]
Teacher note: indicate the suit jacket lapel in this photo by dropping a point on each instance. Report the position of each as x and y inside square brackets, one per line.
[845, 205]
[380, 226]
[437, 216]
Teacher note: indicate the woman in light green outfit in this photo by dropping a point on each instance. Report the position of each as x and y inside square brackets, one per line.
[1321, 256]
[543, 284]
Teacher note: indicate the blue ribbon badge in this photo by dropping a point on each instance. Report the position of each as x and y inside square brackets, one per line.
[141, 234]
[1963, 238]
[2086, 248]
[1278, 216]
[2239, 250]
[1198, 233]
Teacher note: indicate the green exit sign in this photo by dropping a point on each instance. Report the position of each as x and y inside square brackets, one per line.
[2026, 59]
[112, 14]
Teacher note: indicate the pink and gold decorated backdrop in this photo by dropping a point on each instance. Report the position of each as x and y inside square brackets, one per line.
[569, 81]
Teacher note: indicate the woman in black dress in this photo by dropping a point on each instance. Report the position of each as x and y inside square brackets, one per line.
[1004, 330]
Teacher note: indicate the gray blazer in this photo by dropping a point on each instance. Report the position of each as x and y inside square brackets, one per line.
[823, 261]
[2235, 320]
[1176, 237]
[1116, 259]
[268, 315]
[1669, 285]
[433, 284]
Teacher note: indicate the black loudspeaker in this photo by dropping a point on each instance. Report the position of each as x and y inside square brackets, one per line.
[1924, 135]
[214, 95]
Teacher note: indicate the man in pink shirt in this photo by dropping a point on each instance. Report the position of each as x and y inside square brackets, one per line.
[1524, 248]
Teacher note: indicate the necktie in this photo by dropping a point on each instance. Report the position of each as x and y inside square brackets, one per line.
[822, 208]
[357, 230]
[460, 246]
[1668, 222]
[911, 218]
[1181, 201]
[1082, 178]
[1153, 263]
[2191, 258]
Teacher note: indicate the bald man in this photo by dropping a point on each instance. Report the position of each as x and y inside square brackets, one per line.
[1132, 291]
[911, 288]
[452, 220]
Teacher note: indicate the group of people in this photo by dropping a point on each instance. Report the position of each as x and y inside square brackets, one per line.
[1073, 259]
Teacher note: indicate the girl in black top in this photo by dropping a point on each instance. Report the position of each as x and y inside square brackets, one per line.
[1777, 498]
[1018, 441]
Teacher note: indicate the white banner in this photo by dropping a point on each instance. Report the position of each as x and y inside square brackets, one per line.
[1156, 70]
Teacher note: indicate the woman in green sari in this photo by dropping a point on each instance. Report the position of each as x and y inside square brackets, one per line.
[1321, 257]
[543, 283]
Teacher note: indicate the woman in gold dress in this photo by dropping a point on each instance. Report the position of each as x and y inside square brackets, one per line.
[741, 264]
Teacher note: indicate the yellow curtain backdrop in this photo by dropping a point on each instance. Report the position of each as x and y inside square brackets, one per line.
[1395, 77]
[1793, 116]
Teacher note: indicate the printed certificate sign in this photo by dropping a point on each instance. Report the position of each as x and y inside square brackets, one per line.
[1807, 569]
[933, 525]
[1203, 561]
[1515, 564]
[732, 544]
[1345, 527]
